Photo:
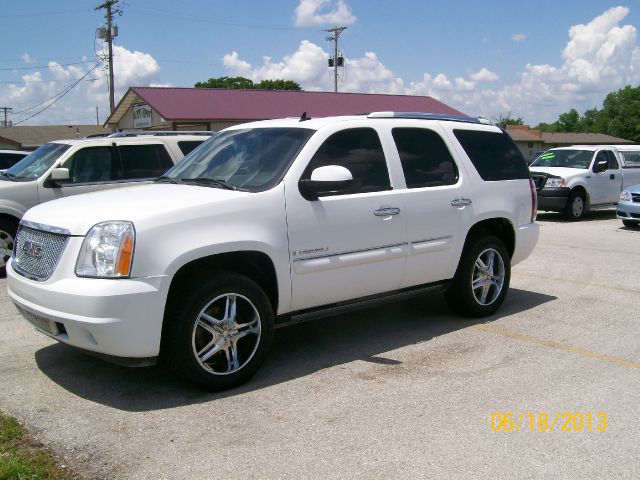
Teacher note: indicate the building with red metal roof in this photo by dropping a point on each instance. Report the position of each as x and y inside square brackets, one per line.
[172, 108]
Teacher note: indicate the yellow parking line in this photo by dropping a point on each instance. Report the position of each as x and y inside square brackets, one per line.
[557, 346]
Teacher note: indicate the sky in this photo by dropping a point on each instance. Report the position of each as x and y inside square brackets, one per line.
[492, 58]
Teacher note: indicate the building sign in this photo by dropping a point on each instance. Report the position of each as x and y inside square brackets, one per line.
[141, 116]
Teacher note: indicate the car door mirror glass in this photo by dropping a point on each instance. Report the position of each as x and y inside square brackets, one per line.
[60, 175]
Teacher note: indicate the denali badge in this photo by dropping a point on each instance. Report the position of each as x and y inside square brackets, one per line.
[32, 249]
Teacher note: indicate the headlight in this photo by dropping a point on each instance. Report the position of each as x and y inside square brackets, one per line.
[625, 196]
[555, 182]
[107, 251]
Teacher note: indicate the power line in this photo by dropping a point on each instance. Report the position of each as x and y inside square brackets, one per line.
[60, 96]
[27, 82]
[44, 66]
[41, 14]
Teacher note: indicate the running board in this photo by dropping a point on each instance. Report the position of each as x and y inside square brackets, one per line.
[357, 304]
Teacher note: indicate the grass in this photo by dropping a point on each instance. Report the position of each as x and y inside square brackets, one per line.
[24, 458]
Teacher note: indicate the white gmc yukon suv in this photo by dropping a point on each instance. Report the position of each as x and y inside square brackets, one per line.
[275, 222]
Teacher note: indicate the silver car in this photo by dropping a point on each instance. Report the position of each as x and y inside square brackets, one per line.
[629, 206]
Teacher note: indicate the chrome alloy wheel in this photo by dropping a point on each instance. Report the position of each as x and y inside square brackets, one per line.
[488, 277]
[226, 334]
[6, 247]
[577, 207]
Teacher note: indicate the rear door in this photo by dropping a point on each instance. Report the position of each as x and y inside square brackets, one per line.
[437, 204]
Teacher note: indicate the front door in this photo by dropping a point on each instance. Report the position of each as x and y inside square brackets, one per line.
[605, 185]
[351, 243]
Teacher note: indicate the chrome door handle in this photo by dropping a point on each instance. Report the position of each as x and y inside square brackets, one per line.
[461, 202]
[385, 212]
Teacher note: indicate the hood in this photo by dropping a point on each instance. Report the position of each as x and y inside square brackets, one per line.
[144, 205]
[562, 172]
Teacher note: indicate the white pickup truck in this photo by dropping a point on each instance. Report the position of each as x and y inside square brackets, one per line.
[579, 178]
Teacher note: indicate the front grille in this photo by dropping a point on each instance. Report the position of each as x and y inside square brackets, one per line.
[539, 179]
[39, 322]
[635, 197]
[37, 252]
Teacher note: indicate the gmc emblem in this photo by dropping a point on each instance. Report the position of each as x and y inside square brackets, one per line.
[32, 249]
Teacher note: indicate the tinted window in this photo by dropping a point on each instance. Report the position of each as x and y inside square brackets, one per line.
[494, 155]
[187, 146]
[425, 158]
[37, 162]
[9, 159]
[143, 161]
[358, 150]
[91, 165]
[613, 161]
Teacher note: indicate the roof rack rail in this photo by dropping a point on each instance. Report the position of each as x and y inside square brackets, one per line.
[161, 133]
[430, 116]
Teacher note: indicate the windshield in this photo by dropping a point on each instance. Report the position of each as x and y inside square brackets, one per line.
[253, 159]
[37, 162]
[564, 158]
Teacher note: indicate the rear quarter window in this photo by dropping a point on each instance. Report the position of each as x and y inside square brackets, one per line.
[494, 155]
[631, 159]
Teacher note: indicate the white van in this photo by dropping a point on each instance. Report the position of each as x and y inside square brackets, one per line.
[69, 167]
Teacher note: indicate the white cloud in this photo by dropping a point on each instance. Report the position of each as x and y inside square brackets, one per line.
[518, 37]
[131, 68]
[26, 58]
[314, 13]
[484, 75]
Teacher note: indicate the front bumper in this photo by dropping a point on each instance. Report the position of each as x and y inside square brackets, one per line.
[117, 318]
[553, 199]
[628, 210]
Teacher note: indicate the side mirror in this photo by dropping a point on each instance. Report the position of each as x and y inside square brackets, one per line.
[57, 175]
[601, 166]
[325, 180]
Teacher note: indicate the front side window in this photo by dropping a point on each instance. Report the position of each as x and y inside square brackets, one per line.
[358, 150]
[143, 161]
[37, 162]
[92, 165]
[426, 160]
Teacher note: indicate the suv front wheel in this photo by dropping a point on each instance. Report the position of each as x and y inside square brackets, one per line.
[482, 278]
[219, 332]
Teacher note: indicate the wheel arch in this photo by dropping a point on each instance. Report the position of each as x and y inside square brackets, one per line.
[499, 227]
[585, 193]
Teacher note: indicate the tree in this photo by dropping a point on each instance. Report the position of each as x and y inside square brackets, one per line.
[245, 83]
[504, 120]
[569, 121]
[620, 113]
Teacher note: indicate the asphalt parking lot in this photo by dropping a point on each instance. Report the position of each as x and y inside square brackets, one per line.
[405, 390]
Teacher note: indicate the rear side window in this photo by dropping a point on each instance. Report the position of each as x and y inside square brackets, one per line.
[358, 150]
[186, 146]
[631, 159]
[143, 161]
[494, 155]
[425, 158]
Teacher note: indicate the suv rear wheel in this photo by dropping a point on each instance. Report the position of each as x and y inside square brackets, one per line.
[219, 332]
[482, 279]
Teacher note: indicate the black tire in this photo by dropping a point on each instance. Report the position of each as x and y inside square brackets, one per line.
[576, 206]
[462, 297]
[8, 229]
[198, 323]
[630, 223]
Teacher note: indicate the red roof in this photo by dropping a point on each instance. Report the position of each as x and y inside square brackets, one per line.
[175, 104]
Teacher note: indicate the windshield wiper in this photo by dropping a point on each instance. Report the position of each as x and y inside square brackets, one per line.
[165, 179]
[10, 176]
[210, 182]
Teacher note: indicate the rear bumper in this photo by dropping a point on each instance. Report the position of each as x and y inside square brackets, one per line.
[553, 199]
[526, 240]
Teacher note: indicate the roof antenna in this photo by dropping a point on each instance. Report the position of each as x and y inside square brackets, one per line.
[304, 118]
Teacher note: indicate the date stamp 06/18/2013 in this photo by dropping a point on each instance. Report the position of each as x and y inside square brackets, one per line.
[549, 421]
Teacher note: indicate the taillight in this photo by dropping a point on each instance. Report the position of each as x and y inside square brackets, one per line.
[534, 201]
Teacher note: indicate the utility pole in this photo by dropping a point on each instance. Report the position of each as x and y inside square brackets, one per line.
[109, 37]
[334, 38]
[6, 110]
